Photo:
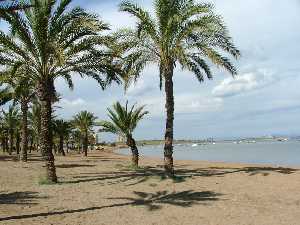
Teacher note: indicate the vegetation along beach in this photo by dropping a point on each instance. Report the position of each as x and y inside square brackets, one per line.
[149, 112]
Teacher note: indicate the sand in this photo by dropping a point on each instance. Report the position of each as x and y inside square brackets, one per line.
[101, 189]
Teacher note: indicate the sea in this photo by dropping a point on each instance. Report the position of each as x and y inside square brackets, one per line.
[275, 153]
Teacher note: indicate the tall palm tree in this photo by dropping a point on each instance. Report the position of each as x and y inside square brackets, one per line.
[62, 129]
[123, 122]
[11, 119]
[84, 122]
[51, 41]
[184, 33]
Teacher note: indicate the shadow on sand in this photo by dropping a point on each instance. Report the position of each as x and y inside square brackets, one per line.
[20, 198]
[66, 166]
[133, 177]
[152, 201]
[8, 158]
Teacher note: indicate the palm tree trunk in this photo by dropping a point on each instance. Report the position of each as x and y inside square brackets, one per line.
[18, 143]
[45, 94]
[31, 144]
[168, 148]
[3, 144]
[67, 146]
[61, 146]
[24, 138]
[134, 150]
[6, 145]
[11, 141]
[85, 143]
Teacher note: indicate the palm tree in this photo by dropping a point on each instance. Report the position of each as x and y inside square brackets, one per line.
[53, 42]
[11, 119]
[84, 122]
[182, 32]
[62, 129]
[5, 96]
[123, 122]
[3, 134]
[75, 137]
[22, 91]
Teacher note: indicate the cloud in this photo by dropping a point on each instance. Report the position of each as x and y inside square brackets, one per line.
[66, 103]
[193, 103]
[140, 88]
[244, 83]
[185, 103]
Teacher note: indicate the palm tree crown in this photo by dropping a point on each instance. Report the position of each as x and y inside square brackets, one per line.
[53, 42]
[84, 122]
[124, 119]
[62, 127]
[11, 116]
[182, 32]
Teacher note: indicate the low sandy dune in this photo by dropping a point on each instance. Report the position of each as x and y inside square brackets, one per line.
[101, 189]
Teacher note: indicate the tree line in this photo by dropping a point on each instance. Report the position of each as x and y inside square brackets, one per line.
[49, 39]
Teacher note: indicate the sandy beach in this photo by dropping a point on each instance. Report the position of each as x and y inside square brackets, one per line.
[102, 189]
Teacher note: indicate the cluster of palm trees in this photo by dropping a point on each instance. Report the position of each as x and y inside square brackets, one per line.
[73, 134]
[49, 39]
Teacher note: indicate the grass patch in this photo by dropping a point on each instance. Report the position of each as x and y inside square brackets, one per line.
[45, 181]
[152, 185]
[178, 179]
[130, 167]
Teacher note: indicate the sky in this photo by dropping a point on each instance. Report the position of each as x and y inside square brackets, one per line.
[264, 99]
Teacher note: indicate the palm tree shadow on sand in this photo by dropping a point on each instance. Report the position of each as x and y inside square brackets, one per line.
[155, 201]
[133, 177]
[20, 198]
[152, 201]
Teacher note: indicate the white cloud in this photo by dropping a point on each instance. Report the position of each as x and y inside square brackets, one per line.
[184, 103]
[141, 87]
[193, 103]
[243, 83]
[72, 103]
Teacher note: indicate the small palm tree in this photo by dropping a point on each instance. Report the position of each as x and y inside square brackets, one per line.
[62, 128]
[184, 33]
[76, 139]
[123, 122]
[3, 134]
[5, 96]
[11, 118]
[84, 122]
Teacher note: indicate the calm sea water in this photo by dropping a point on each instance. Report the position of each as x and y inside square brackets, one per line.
[275, 153]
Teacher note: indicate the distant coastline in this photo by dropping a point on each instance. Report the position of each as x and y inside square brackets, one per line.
[212, 140]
